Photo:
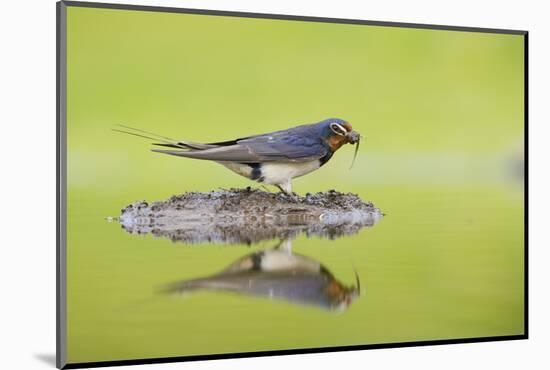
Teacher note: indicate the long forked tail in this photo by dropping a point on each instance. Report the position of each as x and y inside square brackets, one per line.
[161, 140]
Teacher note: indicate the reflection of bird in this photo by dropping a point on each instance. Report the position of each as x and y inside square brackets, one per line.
[274, 158]
[277, 274]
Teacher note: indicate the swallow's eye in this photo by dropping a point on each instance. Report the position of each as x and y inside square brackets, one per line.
[338, 129]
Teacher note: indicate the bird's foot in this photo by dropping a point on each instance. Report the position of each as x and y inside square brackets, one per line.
[292, 196]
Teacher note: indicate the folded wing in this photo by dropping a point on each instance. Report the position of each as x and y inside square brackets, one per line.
[299, 144]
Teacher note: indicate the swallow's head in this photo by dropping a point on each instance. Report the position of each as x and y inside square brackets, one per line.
[340, 296]
[337, 132]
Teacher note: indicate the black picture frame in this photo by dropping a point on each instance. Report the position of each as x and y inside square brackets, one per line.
[61, 189]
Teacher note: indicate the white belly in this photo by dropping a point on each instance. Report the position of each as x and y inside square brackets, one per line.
[282, 172]
[275, 173]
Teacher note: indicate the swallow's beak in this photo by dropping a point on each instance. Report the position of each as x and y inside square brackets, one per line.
[353, 137]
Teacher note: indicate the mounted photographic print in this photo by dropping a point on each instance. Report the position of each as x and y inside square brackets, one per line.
[236, 184]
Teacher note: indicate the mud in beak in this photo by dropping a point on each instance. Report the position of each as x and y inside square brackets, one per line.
[353, 137]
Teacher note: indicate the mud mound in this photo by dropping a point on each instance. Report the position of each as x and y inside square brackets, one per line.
[237, 216]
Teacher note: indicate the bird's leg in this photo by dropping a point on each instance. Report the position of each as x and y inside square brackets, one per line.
[286, 188]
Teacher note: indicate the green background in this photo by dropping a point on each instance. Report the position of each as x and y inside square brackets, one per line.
[442, 115]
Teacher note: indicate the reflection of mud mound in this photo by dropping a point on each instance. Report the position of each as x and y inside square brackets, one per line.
[248, 216]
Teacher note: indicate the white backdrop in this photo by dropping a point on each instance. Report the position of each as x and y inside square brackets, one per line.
[28, 182]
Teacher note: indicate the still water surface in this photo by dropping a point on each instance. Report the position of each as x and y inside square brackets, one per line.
[443, 263]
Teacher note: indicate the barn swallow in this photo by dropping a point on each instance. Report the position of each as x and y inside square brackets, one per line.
[273, 158]
[276, 273]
